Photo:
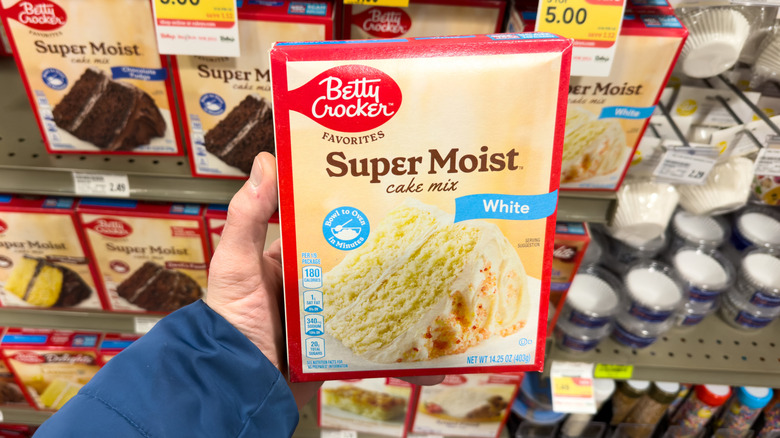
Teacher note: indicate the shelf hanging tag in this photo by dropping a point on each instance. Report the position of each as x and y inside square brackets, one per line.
[686, 165]
[617, 372]
[196, 27]
[594, 25]
[101, 184]
[572, 387]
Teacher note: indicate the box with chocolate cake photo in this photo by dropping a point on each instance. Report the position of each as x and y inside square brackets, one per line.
[226, 102]
[216, 216]
[375, 406]
[96, 82]
[426, 247]
[43, 260]
[151, 257]
[10, 392]
[50, 365]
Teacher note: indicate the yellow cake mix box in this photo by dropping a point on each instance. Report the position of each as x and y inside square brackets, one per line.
[43, 260]
[418, 189]
[607, 116]
[50, 365]
[226, 102]
[375, 406]
[151, 257]
[471, 405]
[93, 75]
[423, 18]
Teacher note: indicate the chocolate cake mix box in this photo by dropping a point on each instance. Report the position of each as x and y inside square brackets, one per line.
[418, 195]
[216, 215]
[424, 18]
[151, 257]
[44, 263]
[226, 102]
[472, 405]
[375, 406]
[50, 365]
[112, 344]
[607, 116]
[11, 394]
[94, 76]
[571, 242]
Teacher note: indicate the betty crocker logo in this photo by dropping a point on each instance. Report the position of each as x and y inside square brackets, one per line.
[348, 98]
[3, 226]
[110, 227]
[565, 253]
[38, 14]
[383, 22]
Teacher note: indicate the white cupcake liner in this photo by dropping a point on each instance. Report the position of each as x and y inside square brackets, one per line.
[767, 62]
[643, 211]
[727, 189]
[716, 38]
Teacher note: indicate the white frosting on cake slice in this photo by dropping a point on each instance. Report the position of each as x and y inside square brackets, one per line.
[594, 148]
[422, 287]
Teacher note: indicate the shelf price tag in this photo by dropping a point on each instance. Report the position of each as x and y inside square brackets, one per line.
[393, 3]
[686, 165]
[196, 27]
[594, 25]
[572, 387]
[617, 372]
[338, 434]
[100, 184]
[144, 324]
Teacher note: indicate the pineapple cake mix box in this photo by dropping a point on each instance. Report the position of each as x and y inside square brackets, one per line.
[418, 189]
[43, 260]
[423, 18]
[471, 405]
[607, 116]
[226, 102]
[51, 365]
[216, 216]
[94, 77]
[375, 406]
[151, 257]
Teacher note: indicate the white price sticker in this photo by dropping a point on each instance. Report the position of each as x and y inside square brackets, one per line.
[768, 162]
[684, 167]
[338, 434]
[101, 184]
[143, 324]
[572, 387]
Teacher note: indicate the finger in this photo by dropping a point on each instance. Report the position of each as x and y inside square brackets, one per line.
[424, 380]
[275, 250]
[250, 209]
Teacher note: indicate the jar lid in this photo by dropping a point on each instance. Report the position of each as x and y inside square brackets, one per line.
[635, 388]
[713, 395]
[761, 267]
[652, 285]
[703, 269]
[701, 230]
[603, 389]
[754, 397]
[594, 291]
[760, 227]
[664, 392]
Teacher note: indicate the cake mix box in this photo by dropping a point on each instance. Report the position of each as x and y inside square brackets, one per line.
[10, 393]
[5, 45]
[426, 247]
[375, 406]
[423, 18]
[226, 102]
[112, 344]
[43, 260]
[151, 257]
[216, 215]
[51, 365]
[472, 405]
[607, 116]
[571, 242]
[93, 75]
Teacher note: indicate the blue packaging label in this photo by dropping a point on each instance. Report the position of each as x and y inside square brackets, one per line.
[583, 320]
[523, 36]
[691, 320]
[668, 21]
[58, 203]
[315, 9]
[649, 315]
[573, 343]
[702, 295]
[761, 299]
[740, 242]
[626, 112]
[509, 207]
[143, 74]
[629, 339]
[570, 228]
[750, 321]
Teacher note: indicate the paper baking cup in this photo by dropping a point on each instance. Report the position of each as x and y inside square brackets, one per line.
[697, 230]
[759, 279]
[727, 189]
[705, 273]
[592, 300]
[756, 227]
[739, 313]
[643, 211]
[715, 40]
[768, 60]
[654, 291]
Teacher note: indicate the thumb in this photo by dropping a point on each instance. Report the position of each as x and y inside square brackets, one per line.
[250, 209]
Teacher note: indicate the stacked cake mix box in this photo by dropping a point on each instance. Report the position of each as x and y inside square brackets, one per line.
[216, 215]
[151, 257]
[375, 406]
[424, 18]
[226, 102]
[112, 344]
[417, 201]
[10, 392]
[50, 365]
[472, 405]
[607, 116]
[93, 75]
[571, 241]
[43, 260]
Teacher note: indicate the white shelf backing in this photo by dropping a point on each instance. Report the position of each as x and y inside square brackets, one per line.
[26, 167]
[711, 352]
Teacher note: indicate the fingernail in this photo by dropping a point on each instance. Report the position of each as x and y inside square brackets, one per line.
[256, 176]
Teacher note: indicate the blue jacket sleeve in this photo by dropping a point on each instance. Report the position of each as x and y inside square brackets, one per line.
[192, 375]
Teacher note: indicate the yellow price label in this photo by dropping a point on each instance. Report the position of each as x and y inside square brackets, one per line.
[392, 3]
[618, 372]
[573, 387]
[196, 13]
[596, 22]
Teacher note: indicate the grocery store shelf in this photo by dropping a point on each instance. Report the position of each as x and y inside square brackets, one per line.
[711, 352]
[108, 322]
[26, 167]
[23, 416]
